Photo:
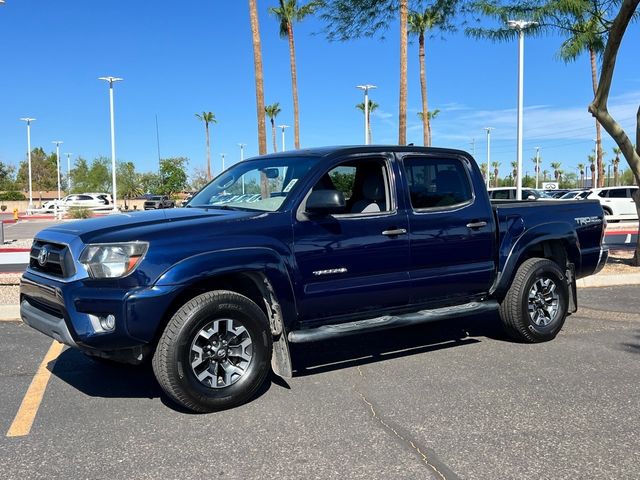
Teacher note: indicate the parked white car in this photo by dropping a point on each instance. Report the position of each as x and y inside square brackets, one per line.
[93, 201]
[509, 193]
[616, 201]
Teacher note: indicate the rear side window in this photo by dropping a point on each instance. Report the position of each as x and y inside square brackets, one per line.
[436, 182]
[500, 194]
[618, 193]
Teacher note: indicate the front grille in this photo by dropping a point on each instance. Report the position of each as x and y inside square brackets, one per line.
[58, 261]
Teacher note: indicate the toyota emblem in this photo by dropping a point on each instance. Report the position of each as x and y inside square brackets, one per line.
[43, 256]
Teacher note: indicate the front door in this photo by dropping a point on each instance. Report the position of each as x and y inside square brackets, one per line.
[356, 260]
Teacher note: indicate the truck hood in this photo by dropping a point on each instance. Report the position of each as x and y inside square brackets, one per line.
[138, 225]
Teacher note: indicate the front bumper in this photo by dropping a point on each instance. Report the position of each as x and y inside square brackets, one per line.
[69, 312]
[47, 323]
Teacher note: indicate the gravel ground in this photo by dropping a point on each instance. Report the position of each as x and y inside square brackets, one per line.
[9, 294]
[22, 243]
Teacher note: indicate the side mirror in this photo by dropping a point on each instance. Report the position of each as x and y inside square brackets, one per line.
[325, 202]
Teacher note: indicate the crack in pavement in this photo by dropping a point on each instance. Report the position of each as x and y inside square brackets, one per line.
[428, 460]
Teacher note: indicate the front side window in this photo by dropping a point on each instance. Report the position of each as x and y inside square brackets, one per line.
[363, 183]
[437, 182]
[261, 185]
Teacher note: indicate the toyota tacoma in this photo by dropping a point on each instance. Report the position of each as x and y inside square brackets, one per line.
[314, 244]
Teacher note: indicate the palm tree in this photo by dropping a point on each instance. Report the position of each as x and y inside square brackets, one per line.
[430, 116]
[287, 14]
[556, 170]
[514, 171]
[587, 35]
[419, 23]
[483, 170]
[259, 79]
[592, 167]
[581, 169]
[496, 166]
[272, 112]
[207, 118]
[402, 114]
[372, 106]
[545, 174]
[616, 164]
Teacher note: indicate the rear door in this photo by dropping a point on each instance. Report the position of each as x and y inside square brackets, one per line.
[356, 260]
[451, 229]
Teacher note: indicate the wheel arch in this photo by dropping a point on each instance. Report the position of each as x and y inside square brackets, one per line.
[558, 243]
[258, 274]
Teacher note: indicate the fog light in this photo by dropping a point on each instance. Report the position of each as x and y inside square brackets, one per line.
[108, 323]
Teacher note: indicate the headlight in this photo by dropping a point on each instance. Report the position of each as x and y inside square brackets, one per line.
[112, 260]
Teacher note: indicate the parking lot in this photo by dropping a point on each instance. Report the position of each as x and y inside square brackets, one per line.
[449, 400]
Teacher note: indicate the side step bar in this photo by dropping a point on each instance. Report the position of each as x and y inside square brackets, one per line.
[390, 321]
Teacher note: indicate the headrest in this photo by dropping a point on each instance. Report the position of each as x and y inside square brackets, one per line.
[373, 187]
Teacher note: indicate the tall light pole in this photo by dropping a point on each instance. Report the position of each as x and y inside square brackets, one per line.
[283, 143]
[594, 177]
[537, 166]
[222, 155]
[520, 26]
[68, 172]
[111, 81]
[365, 89]
[57, 143]
[488, 129]
[242, 145]
[29, 120]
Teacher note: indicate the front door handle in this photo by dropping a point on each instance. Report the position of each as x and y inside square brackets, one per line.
[476, 224]
[394, 232]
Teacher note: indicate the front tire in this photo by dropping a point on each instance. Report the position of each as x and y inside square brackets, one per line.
[535, 306]
[214, 353]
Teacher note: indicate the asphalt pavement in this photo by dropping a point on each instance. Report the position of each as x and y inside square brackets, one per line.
[454, 400]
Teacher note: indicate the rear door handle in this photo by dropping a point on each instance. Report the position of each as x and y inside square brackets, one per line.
[476, 224]
[394, 232]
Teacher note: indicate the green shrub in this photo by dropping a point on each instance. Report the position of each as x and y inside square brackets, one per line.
[11, 196]
[80, 212]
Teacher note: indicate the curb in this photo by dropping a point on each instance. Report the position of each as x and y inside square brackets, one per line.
[609, 280]
[10, 313]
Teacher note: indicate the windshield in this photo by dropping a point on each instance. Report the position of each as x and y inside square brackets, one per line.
[569, 195]
[261, 185]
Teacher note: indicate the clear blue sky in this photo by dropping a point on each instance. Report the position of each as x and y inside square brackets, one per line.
[179, 58]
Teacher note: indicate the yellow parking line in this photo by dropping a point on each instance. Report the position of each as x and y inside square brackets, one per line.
[28, 410]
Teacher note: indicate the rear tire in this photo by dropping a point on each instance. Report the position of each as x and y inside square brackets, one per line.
[535, 306]
[215, 352]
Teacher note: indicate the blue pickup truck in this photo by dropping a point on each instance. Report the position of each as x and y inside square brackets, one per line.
[301, 247]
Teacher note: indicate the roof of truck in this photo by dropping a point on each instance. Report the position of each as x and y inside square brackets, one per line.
[355, 149]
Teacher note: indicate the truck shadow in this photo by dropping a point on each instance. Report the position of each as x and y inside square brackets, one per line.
[355, 350]
[96, 379]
